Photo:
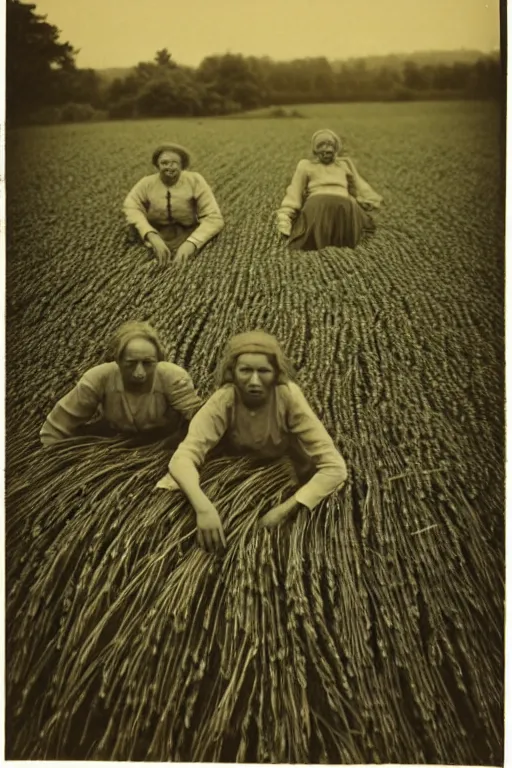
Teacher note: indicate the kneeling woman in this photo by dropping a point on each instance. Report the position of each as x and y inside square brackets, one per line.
[139, 393]
[174, 209]
[258, 411]
[327, 201]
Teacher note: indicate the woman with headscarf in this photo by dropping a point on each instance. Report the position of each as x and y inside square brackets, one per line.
[258, 410]
[174, 208]
[128, 620]
[138, 393]
[327, 202]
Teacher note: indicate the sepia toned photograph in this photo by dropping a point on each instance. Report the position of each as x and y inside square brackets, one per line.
[255, 381]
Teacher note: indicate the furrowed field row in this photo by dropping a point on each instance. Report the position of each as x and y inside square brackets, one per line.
[376, 622]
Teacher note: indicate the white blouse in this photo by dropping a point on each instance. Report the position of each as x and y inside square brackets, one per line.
[286, 422]
[100, 391]
[312, 177]
[191, 202]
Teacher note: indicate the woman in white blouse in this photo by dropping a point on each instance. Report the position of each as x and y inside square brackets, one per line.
[258, 411]
[327, 202]
[138, 393]
[173, 209]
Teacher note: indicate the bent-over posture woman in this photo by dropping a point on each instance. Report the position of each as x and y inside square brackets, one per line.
[139, 393]
[174, 208]
[258, 411]
[327, 202]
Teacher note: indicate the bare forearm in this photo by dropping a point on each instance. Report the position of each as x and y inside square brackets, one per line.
[284, 222]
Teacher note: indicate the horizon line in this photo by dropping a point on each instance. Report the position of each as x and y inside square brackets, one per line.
[494, 50]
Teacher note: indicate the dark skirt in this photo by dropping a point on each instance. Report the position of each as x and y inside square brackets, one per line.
[175, 234]
[329, 220]
[172, 234]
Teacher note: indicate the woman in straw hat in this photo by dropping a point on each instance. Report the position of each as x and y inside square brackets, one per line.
[173, 209]
[258, 410]
[138, 393]
[327, 202]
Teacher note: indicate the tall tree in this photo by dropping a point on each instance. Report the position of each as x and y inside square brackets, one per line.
[34, 60]
[164, 59]
[233, 77]
[172, 95]
[414, 76]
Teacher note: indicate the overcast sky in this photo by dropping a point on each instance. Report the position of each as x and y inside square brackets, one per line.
[112, 33]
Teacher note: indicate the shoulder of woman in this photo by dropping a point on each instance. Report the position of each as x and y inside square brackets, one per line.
[220, 401]
[168, 371]
[225, 395]
[289, 392]
[193, 176]
[148, 180]
[304, 164]
[296, 398]
[100, 374]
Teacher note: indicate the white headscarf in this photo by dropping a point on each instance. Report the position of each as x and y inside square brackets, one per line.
[321, 135]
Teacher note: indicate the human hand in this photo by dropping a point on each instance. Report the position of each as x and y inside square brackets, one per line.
[366, 206]
[284, 225]
[278, 514]
[184, 252]
[162, 252]
[210, 534]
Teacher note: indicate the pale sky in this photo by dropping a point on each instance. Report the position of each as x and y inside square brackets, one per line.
[120, 33]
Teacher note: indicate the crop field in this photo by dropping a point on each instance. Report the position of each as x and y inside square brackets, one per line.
[370, 630]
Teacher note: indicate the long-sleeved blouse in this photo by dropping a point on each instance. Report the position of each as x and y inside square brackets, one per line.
[151, 205]
[312, 177]
[100, 391]
[284, 425]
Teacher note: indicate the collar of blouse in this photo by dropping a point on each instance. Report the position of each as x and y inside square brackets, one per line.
[175, 184]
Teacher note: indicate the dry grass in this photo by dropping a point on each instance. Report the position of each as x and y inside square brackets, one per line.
[370, 630]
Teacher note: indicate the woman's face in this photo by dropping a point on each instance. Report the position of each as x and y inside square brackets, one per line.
[254, 377]
[138, 365]
[169, 165]
[325, 150]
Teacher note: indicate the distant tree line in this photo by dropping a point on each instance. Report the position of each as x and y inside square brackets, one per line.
[43, 83]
